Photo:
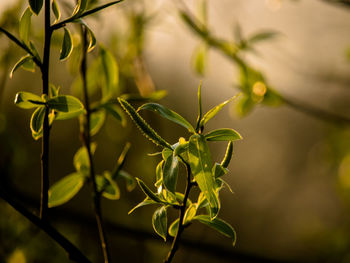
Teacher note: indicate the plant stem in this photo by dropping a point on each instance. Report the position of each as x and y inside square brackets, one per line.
[96, 195]
[176, 241]
[73, 252]
[46, 128]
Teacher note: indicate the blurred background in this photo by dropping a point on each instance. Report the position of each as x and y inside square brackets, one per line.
[290, 174]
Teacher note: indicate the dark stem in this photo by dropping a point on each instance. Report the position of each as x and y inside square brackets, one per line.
[46, 127]
[73, 252]
[96, 195]
[176, 241]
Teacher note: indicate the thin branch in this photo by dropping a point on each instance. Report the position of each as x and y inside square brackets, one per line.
[176, 241]
[73, 252]
[74, 18]
[96, 195]
[21, 45]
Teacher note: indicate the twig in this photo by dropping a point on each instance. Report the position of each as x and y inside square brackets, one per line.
[176, 241]
[96, 195]
[73, 252]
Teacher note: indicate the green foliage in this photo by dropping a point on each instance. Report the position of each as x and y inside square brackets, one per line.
[159, 222]
[67, 45]
[25, 62]
[56, 10]
[223, 135]
[36, 5]
[24, 25]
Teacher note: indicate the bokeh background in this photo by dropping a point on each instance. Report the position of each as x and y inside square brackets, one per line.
[290, 175]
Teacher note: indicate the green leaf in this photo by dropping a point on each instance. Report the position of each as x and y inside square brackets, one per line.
[154, 96]
[148, 192]
[65, 103]
[36, 5]
[159, 174]
[80, 8]
[24, 26]
[27, 100]
[37, 120]
[97, 119]
[170, 172]
[190, 213]
[111, 74]
[92, 39]
[212, 112]
[65, 189]
[145, 202]
[201, 167]
[144, 127]
[219, 225]
[53, 91]
[261, 36]
[219, 170]
[244, 106]
[174, 227]
[223, 135]
[56, 10]
[159, 222]
[67, 45]
[26, 63]
[107, 186]
[129, 180]
[181, 147]
[228, 155]
[81, 159]
[200, 110]
[200, 59]
[168, 114]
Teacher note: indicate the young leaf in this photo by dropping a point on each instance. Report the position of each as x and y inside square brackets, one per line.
[168, 114]
[212, 112]
[219, 170]
[81, 159]
[130, 181]
[65, 103]
[219, 225]
[80, 8]
[65, 189]
[201, 168]
[111, 73]
[53, 91]
[26, 63]
[24, 25]
[159, 222]
[148, 192]
[37, 120]
[36, 5]
[199, 60]
[56, 10]
[147, 131]
[223, 135]
[107, 186]
[190, 213]
[170, 172]
[96, 121]
[27, 100]
[200, 110]
[147, 201]
[159, 174]
[174, 227]
[228, 155]
[67, 45]
[261, 36]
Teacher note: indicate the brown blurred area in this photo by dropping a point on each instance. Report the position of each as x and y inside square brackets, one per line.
[290, 174]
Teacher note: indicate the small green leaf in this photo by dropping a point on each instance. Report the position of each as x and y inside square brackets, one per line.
[244, 106]
[129, 180]
[201, 168]
[170, 172]
[107, 186]
[190, 213]
[111, 74]
[223, 135]
[67, 45]
[147, 131]
[219, 170]
[65, 103]
[168, 114]
[27, 100]
[36, 5]
[56, 10]
[24, 26]
[200, 110]
[147, 201]
[81, 159]
[26, 63]
[97, 120]
[53, 91]
[65, 189]
[159, 222]
[159, 174]
[37, 120]
[200, 59]
[228, 155]
[92, 39]
[80, 8]
[261, 36]
[212, 112]
[148, 192]
[154, 96]
[219, 225]
[174, 227]
[181, 147]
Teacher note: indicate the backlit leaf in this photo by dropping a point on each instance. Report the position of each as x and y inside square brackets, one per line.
[219, 225]
[129, 180]
[26, 63]
[80, 7]
[56, 10]
[173, 228]
[65, 103]
[37, 120]
[223, 135]
[111, 74]
[170, 172]
[147, 191]
[27, 100]
[159, 222]
[145, 202]
[36, 5]
[96, 121]
[24, 25]
[65, 189]
[228, 155]
[67, 45]
[190, 213]
[168, 114]
[81, 159]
